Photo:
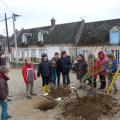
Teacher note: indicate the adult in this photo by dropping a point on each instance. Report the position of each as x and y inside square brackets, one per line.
[65, 63]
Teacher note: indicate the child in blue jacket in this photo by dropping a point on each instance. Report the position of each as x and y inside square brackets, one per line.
[111, 68]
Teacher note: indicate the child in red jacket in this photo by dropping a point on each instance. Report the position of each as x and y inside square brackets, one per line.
[29, 77]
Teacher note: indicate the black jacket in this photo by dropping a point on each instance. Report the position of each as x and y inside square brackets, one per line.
[81, 69]
[65, 63]
[44, 69]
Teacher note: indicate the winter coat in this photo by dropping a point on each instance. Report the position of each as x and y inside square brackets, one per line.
[111, 67]
[25, 71]
[65, 64]
[3, 87]
[81, 69]
[44, 68]
[101, 64]
[53, 70]
[93, 70]
[58, 66]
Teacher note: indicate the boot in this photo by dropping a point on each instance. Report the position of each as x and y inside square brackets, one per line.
[47, 88]
[43, 89]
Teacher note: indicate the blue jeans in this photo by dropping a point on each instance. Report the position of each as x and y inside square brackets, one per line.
[4, 110]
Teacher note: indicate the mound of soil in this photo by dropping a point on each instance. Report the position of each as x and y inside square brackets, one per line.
[46, 105]
[60, 92]
[90, 108]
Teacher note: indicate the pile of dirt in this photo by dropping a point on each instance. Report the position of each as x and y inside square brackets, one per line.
[60, 92]
[90, 107]
[46, 105]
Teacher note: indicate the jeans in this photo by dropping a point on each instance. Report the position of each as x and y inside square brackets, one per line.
[66, 78]
[4, 110]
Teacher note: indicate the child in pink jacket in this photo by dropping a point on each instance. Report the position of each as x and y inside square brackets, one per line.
[101, 63]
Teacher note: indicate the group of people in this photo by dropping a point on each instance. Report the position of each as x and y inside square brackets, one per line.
[49, 70]
[104, 67]
[87, 72]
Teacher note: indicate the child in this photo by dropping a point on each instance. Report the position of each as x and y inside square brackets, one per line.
[65, 63]
[53, 74]
[101, 63]
[44, 69]
[80, 68]
[111, 68]
[29, 77]
[4, 69]
[57, 60]
[92, 71]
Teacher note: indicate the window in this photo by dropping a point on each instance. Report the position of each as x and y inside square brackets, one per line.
[33, 53]
[114, 38]
[40, 37]
[24, 38]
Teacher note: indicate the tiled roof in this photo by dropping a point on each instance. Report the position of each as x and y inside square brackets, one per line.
[97, 33]
[62, 33]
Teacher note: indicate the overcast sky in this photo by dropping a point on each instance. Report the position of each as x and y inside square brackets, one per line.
[36, 13]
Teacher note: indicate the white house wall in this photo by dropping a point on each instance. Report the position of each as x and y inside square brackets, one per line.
[37, 53]
[50, 50]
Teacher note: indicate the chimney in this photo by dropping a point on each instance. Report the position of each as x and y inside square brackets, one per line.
[53, 22]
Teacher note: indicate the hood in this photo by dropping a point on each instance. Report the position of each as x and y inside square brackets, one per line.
[103, 54]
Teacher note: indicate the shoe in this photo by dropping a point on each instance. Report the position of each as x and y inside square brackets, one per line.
[29, 97]
[9, 100]
[8, 117]
[33, 94]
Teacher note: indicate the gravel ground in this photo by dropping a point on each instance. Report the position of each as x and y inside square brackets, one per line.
[22, 109]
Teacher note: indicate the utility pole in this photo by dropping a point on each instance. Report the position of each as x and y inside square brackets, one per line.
[15, 37]
[7, 33]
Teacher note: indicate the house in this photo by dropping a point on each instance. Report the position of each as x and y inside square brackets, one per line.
[100, 35]
[49, 39]
[75, 38]
[4, 43]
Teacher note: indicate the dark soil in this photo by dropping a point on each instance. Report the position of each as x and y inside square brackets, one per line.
[50, 103]
[46, 105]
[60, 92]
[90, 108]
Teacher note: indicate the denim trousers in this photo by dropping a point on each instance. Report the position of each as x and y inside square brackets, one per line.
[4, 107]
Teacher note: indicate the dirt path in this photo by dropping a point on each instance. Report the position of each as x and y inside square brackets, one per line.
[23, 109]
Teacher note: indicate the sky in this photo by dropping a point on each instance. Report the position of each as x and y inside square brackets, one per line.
[37, 13]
